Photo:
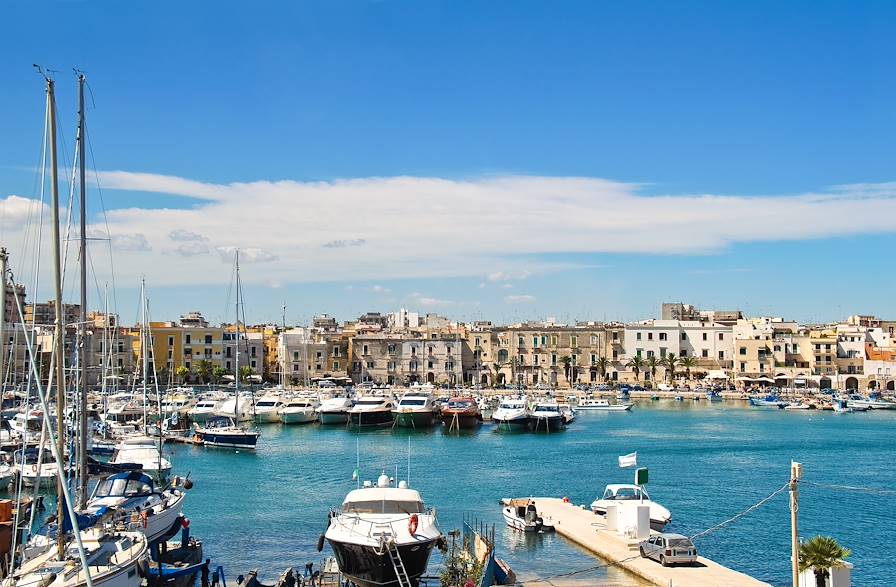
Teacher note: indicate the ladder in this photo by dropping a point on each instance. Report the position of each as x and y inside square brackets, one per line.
[400, 572]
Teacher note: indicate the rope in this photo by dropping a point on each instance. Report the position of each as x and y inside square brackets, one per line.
[850, 488]
[739, 515]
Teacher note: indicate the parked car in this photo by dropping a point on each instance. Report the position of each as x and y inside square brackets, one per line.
[669, 549]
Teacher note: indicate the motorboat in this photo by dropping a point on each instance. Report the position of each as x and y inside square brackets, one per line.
[522, 515]
[177, 402]
[334, 410]
[798, 406]
[115, 559]
[769, 401]
[144, 451]
[842, 406]
[568, 413]
[299, 410]
[203, 410]
[602, 405]
[512, 413]
[224, 432]
[36, 467]
[659, 516]
[545, 416]
[461, 413]
[267, 409]
[416, 410]
[873, 403]
[372, 410]
[383, 536]
[28, 425]
[713, 396]
[239, 408]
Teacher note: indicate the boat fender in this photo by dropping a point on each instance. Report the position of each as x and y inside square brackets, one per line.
[188, 483]
[185, 523]
[320, 543]
[412, 524]
[442, 544]
[144, 518]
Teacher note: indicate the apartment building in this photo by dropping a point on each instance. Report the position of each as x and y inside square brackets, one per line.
[710, 344]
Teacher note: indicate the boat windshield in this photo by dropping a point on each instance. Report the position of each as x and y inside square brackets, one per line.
[383, 507]
[547, 408]
[511, 406]
[266, 404]
[413, 402]
[369, 402]
[122, 488]
[624, 493]
[460, 405]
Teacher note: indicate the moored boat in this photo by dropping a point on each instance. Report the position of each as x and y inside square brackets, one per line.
[416, 410]
[512, 414]
[602, 405]
[371, 410]
[222, 431]
[545, 416]
[461, 413]
[659, 516]
[334, 410]
[522, 515]
[299, 410]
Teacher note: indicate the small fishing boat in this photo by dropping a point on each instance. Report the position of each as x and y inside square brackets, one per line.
[461, 413]
[769, 401]
[798, 406]
[36, 467]
[522, 515]
[371, 410]
[602, 405]
[416, 410]
[659, 516]
[872, 403]
[222, 431]
[383, 535]
[334, 410]
[300, 410]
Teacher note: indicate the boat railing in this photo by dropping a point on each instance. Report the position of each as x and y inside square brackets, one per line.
[375, 529]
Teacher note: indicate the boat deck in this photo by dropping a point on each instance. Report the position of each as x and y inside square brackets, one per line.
[589, 531]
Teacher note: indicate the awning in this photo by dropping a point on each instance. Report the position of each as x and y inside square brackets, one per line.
[717, 374]
[783, 376]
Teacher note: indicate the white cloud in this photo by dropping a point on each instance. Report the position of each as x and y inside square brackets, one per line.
[379, 289]
[520, 299]
[422, 300]
[373, 229]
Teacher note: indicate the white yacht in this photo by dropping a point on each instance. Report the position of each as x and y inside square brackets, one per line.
[383, 536]
[267, 409]
[143, 451]
[335, 410]
[299, 410]
[602, 405]
[659, 516]
[28, 425]
[872, 402]
[203, 410]
[512, 413]
[545, 416]
[34, 473]
[242, 412]
[416, 410]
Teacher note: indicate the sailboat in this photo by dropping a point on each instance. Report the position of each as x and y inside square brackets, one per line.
[100, 556]
[224, 430]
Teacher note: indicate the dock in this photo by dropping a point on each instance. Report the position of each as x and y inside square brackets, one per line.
[588, 530]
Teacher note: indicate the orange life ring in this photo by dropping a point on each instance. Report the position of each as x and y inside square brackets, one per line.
[412, 524]
[34, 468]
[144, 517]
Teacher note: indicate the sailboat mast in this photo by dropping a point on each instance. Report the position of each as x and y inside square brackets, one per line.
[59, 327]
[83, 354]
[145, 340]
[236, 346]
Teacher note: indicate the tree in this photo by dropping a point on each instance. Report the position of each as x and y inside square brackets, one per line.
[204, 370]
[218, 373]
[687, 363]
[822, 553]
[246, 372]
[652, 364]
[182, 373]
[566, 361]
[602, 364]
[497, 367]
[636, 364]
[670, 362]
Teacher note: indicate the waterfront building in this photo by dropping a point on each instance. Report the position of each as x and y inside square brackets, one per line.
[710, 344]
[44, 313]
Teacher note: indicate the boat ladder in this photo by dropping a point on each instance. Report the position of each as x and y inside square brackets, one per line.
[401, 572]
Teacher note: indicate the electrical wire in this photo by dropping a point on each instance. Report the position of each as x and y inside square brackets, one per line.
[740, 515]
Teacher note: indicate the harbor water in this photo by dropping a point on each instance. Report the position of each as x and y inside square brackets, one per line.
[707, 462]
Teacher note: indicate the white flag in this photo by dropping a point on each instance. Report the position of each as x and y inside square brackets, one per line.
[629, 460]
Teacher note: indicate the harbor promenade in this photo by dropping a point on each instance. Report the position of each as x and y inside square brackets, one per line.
[589, 531]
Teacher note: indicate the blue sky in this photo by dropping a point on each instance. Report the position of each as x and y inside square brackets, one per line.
[707, 132]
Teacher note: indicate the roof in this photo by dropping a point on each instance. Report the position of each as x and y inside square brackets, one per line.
[382, 494]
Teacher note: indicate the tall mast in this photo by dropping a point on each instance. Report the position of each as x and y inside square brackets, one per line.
[282, 363]
[83, 354]
[60, 327]
[236, 346]
[145, 339]
[3, 258]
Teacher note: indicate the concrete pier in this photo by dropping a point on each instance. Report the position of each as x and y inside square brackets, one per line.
[589, 531]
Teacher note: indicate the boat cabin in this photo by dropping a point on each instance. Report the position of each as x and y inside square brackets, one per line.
[625, 493]
[131, 484]
[383, 500]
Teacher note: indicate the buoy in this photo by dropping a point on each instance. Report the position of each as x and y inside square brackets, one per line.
[185, 523]
[412, 524]
[188, 484]
[320, 543]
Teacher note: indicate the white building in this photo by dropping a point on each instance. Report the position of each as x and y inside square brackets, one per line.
[710, 343]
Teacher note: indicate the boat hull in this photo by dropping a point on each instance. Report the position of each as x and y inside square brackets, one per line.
[299, 417]
[267, 417]
[415, 420]
[371, 418]
[546, 424]
[461, 421]
[245, 441]
[329, 418]
[655, 523]
[363, 566]
[518, 424]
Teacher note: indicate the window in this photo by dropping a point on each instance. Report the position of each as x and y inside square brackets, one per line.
[575, 341]
[638, 352]
[535, 360]
[574, 362]
[705, 336]
[649, 354]
[187, 339]
[615, 354]
[371, 364]
[638, 336]
[593, 358]
[663, 336]
[335, 351]
[721, 355]
[721, 336]
[649, 336]
[252, 351]
[391, 348]
[356, 365]
[743, 351]
[364, 350]
[449, 365]
[743, 366]
[684, 353]
[335, 365]
[295, 354]
[554, 359]
[252, 364]
[593, 339]
[208, 339]
[705, 354]
[170, 341]
[615, 336]
[535, 341]
[429, 364]
[554, 340]
[684, 336]
[476, 341]
[520, 340]
[317, 356]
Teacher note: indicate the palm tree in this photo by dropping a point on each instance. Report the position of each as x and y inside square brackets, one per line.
[204, 370]
[636, 364]
[497, 367]
[822, 553]
[602, 364]
[218, 373]
[652, 364]
[182, 373]
[688, 363]
[670, 362]
[566, 361]
[245, 372]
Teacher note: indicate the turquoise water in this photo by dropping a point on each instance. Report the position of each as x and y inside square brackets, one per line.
[707, 462]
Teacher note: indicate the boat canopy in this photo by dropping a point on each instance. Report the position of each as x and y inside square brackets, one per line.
[383, 500]
[131, 484]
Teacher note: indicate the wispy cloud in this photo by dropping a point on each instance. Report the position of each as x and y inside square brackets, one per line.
[426, 301]
[384, 233]
[520, 299]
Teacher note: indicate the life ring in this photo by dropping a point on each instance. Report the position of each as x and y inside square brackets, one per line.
[412, 524]
[144, 518]
[34, 468]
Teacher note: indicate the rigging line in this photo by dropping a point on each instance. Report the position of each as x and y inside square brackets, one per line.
[99, 191]
[740, 515]
[849, 488]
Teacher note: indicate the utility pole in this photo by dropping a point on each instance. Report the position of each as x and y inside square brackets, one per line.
[796, 473]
